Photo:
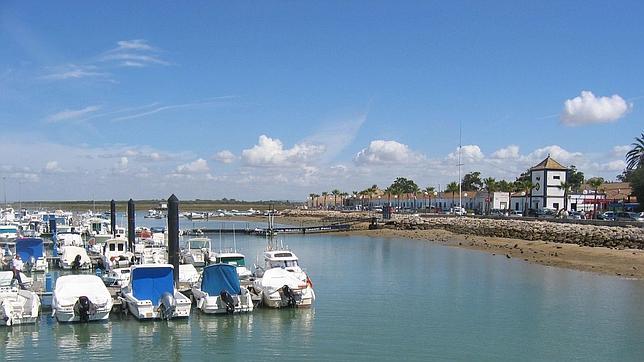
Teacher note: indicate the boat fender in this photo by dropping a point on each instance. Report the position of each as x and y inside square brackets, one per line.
[83, 308]
[290, 296]
[228, 300]
[167, 306]
[76, 264]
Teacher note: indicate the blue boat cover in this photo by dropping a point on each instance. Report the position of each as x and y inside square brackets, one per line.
[28, 247]
[219, 277]
[151, 282]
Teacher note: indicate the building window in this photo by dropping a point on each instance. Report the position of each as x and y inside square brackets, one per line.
[556, 177]
[555, 206]
[516, 206]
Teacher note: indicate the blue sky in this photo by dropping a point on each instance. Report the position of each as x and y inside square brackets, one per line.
[279, 99]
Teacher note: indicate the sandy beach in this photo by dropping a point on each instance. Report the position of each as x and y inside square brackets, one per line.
[626, 263]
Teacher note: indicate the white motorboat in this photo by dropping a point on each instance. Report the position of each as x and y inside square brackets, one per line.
[282, 281]
[81, 298]
[74, 257]
[118, 277]
[69, 239]
[147, 251]
[32, 252]
[236, 259]
[8, 233]
[115, 254]
[281, 288]
[220, 291]
[188, 276]
[197, 252]
[152, 293]
[17, 306]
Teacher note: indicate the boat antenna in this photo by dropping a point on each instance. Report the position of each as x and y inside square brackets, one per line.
[220, 250]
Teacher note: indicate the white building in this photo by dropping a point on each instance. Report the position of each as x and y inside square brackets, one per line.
[547, 177]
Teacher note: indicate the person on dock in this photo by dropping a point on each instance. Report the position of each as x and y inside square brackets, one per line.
[17, 266]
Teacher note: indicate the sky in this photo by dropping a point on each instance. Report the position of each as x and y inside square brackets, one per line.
[280, 99]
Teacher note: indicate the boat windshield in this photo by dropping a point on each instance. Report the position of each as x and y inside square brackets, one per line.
[7, 230]
[283, 263]
[198, 244]
[233, 260]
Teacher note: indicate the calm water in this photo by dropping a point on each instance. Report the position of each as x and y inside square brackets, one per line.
[381, 299]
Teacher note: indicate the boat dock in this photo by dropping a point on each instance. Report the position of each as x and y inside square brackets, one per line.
[275, 230]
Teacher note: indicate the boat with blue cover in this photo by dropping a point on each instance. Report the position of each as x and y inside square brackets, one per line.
[152, 293]
[221, 292]
[32, 252]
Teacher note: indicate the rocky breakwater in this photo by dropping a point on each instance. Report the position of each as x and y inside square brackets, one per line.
[587, 235]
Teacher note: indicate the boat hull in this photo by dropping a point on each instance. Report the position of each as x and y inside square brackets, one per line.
[303, 298]
[145, 310]
[65, 315]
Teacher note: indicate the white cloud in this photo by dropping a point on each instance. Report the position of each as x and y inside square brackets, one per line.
[271, 152]
[52, 167]
[386, 152]
[510, 152]
[620, 151]
[616, 165]
[134, 44]
[123, 162]
[197, 166]
[557, 153]
[588, 109]
[134, 53]
[224, 156]
[469, 153]
[72, 71]
[72, 114]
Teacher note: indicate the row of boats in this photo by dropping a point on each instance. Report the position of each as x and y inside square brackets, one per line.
[146, 287]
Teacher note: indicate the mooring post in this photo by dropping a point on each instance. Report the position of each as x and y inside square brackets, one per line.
[173, 235]
[130, 225]
[113, 217]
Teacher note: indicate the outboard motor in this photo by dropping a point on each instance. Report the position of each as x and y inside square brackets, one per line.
[228, 300]
[290, 296]
[167, 306]
[76, 264]
[84, 308]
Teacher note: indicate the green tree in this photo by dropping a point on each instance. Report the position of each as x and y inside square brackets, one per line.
[472, 181]
[453, 188]
[595, 183]
[635, 157]
[526, 187]
[429, 190]
[574, 178]
[490, 187]
[637, 184]
[566, 187]
[335, 193]
[403, 186]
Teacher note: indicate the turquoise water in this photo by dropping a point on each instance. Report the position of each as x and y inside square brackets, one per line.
[381, 299]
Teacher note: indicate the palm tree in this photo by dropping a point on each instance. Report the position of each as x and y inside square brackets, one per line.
[635, 157]
[343, 197]
[452, 187]
[335, 193]
[595, 183]
[312, 196]
[325, 194]
[526, 186]
[429, 190]
[566, 187]
[490, 187]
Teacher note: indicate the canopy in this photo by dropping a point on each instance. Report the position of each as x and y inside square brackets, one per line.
[70, 287]
[276, 278]
[28, 247]
[5, 278]
[149, 282]
[219, 277]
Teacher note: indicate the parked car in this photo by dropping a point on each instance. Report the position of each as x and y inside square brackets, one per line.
[576, 215]
[628, 216]
[497, 212]
[516, 213]
[608, 215]
[457, 211]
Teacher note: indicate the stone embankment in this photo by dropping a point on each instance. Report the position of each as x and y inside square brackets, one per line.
[587, 235]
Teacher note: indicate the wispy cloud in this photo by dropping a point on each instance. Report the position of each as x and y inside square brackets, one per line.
[134, 53]
[73, 71]
[172, 106]
[71, 114]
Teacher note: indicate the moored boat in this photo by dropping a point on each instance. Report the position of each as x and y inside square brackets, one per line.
[220, 291]
[81, 298]
[17, 306]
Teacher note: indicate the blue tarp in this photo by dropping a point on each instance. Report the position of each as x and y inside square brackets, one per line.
[218, 277]
[28, 247]
[150, 283]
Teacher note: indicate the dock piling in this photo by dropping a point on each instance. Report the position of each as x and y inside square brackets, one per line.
[113, 217]
[130, 225]
[173, 235]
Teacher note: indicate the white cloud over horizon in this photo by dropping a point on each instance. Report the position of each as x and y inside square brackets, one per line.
[386, 152]
[224, 156]
[197, 166]
[589, 109]
[72, 114]
[271, 152]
